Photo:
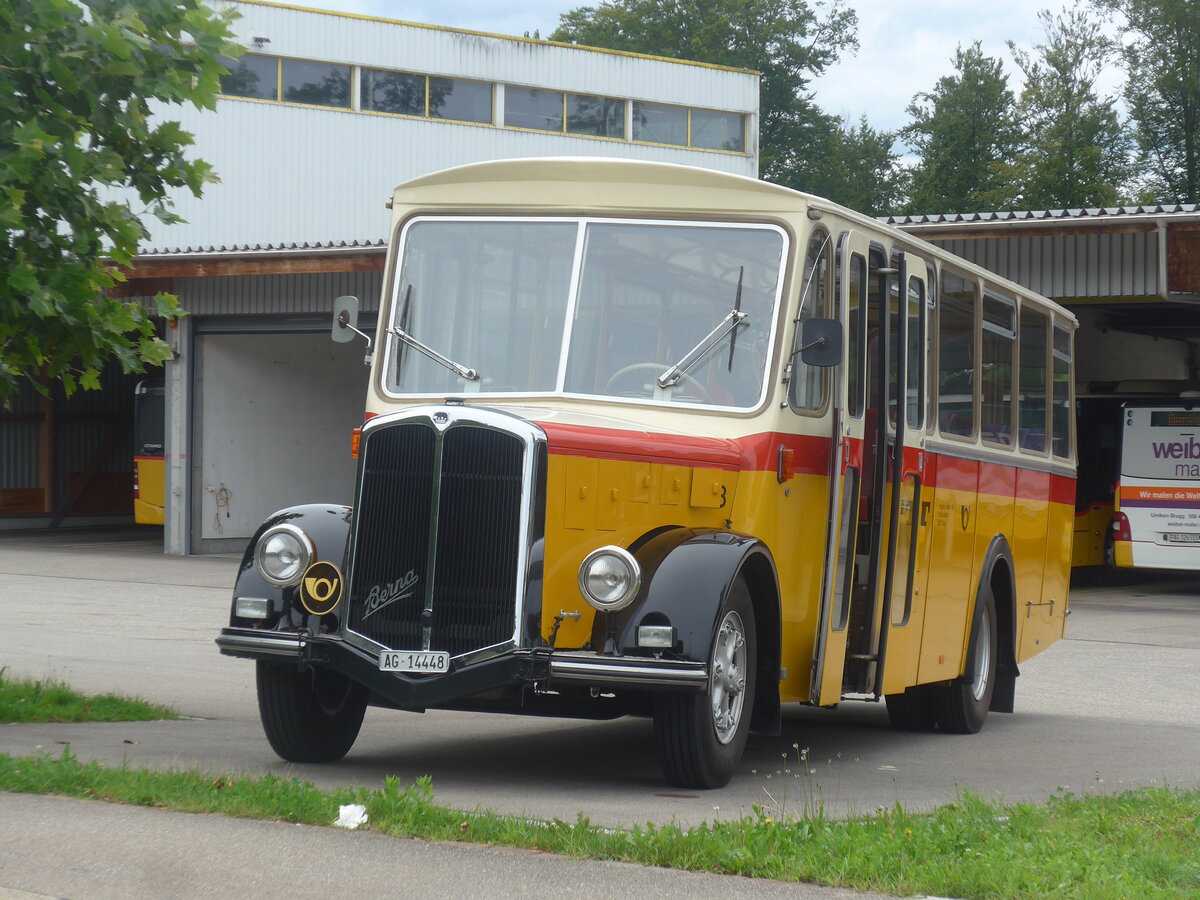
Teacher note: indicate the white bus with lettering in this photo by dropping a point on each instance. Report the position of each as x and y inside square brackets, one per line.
[1157, 520]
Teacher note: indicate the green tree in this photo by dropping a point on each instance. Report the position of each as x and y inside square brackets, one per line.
[1161, 56]
[82, 84]
[788, 41]
[963, 131]
[860, 169]
[1075, 152]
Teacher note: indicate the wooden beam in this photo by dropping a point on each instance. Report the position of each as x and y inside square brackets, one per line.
[142, 287]
[266, 264]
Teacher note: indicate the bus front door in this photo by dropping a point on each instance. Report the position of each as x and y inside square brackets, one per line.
[873, 546]
[846, 472]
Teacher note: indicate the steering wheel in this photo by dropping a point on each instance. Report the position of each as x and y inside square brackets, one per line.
[658, 368]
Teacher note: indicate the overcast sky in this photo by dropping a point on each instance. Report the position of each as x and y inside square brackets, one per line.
[906, 45]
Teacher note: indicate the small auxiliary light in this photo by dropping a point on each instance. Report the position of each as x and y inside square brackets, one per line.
[251, 607]
[656, 636]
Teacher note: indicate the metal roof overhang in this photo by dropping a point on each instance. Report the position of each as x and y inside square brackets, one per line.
[1176, 314]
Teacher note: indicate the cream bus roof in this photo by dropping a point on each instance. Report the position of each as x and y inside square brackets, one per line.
[575, 185]
[584, 183]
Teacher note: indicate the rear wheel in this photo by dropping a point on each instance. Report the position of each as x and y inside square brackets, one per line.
[913, 710]
[309, 715]
[962, 705]
[701, 736]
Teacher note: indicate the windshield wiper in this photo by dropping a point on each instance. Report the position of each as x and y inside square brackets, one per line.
[728, 325]
[458, 368]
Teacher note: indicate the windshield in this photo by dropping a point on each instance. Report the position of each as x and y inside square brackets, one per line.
[645, 311]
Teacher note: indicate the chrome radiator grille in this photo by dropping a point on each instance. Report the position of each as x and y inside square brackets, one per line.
[438, 537]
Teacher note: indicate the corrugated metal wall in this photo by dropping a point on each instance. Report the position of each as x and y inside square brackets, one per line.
[439, 51]
[277, 294]
[21, 430]
[1070, 266]
[82, 423]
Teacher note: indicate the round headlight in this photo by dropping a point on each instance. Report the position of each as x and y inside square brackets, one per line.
[282, 555]
[610, 578]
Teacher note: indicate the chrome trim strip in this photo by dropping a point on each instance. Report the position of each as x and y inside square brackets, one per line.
[252, 642]
[616, 670]
[975, 453]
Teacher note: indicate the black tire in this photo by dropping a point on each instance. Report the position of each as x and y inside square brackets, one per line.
[311, 715]
[913, 710]
[962, 705]
[701, 736]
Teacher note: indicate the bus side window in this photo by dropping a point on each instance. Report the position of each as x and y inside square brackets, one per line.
[1062, 418]
[1031, 396]
[996, 375]
[856, 339]
[956, 356]
[915, 380]
[808, 383]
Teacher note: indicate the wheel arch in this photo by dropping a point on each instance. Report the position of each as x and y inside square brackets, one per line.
[759, 571]
[687, 574]
[999, 574]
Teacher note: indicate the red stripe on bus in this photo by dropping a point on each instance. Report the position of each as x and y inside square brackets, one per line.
[642, 446]
[760, 453]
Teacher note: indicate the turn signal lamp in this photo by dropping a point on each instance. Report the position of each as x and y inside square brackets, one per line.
[786, 466]
[356, 435]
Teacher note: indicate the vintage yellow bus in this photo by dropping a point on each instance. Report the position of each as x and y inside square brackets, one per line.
[655, 440]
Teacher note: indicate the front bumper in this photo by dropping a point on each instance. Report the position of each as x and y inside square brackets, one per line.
[541, 666]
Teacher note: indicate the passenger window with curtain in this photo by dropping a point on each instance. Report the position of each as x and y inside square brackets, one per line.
[807, 387]
[996, 369]
[956, 356]
[1031, 386]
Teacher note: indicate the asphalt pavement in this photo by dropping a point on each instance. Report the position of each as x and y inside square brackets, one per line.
[56, 847]
[1116, 704]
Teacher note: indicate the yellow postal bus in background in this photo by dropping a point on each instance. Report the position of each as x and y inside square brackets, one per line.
[654, 440]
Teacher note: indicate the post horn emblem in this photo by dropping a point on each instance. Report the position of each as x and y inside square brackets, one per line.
[321, 588]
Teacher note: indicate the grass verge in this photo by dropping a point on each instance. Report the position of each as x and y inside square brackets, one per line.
[30, 700]
[1138, 843]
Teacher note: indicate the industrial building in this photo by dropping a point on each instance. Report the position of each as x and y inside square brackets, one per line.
[317, 122]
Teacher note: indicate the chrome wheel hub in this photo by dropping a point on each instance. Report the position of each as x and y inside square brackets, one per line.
[727, 688]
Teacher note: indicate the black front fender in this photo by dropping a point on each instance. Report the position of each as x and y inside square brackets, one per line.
[328, 527]
[686, 575]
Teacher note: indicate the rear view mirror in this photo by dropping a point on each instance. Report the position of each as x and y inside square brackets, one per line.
[821, 342]
[345, 324]
[345, 319]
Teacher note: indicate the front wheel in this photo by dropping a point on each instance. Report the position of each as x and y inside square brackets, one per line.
[962, 705]
[309, 715]
[701, 736]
